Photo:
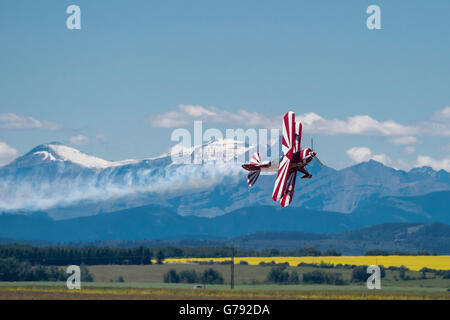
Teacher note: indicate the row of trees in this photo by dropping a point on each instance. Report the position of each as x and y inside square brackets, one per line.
[208, 276]
[58, 256]
[319, 277]
[11, 269]
[280, 276]
[94, 255]
[378, 252]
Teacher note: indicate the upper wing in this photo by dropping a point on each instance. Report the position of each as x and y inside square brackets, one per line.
[297, 136]
[285, 164]
[289, 192]
[288, 132]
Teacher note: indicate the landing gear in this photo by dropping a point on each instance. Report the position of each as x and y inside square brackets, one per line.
[307, 174]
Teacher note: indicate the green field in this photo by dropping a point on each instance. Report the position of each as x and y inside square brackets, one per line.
[147, 282]
[253, 277]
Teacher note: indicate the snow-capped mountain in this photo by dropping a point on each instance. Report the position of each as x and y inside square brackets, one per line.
[205, 180]
[54, 175]
[57, 152]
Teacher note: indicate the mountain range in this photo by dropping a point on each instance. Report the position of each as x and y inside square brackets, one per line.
[57, 193]
[157, 222]
[67, 183]
[406, 237]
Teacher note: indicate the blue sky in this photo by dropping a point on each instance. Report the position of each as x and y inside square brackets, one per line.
[99, 88]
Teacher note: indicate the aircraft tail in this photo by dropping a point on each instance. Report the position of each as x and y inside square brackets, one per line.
[256, 159]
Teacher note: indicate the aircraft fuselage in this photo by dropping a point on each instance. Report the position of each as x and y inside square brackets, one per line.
[300, 159]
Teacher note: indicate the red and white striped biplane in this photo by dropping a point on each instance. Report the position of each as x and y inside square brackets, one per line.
[293, 160]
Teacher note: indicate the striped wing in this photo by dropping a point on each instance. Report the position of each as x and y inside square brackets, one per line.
[288, 132]
[285, 164]
[256, 159]
[252, 177]
[298, 136]
[289, 192]
[283, 172]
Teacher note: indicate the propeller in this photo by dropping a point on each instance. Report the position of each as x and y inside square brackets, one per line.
[312, 149]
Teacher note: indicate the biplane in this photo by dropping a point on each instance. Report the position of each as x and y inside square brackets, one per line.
[294, 159]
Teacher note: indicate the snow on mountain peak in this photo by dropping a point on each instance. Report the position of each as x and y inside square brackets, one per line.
[45, 155]
[66, 153]
[55, 151]
[220, 150]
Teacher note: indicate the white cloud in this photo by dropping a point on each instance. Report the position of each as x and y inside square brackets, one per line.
[404, 140]
[362, 154]
[186, 114]
[100, 137]
[438, 124]
[83, 140]
[442, 115]
[434, 163]
[7, 153]
[359, 154]
[410, 149]
[359, 124]
[79, 140]
[14, 121]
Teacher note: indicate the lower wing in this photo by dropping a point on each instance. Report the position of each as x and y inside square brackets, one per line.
[289, 192]
[252, 177]
[283, 172]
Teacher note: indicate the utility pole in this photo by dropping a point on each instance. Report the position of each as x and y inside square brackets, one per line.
[232, 268]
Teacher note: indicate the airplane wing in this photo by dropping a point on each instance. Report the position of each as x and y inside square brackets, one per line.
[298, 136]
[256, 159]
[288, 132]
[289, 192]
[252, 177]
[285, 164]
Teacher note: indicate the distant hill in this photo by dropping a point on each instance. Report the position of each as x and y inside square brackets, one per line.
[391, 237]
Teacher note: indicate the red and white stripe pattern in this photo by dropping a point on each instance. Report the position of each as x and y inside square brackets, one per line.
[285, 164]
[289, 192]
[305, 154]
[252, 177]
[256, 159]
[298, 136]
[288, 131]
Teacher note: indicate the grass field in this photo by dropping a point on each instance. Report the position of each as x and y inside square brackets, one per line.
[54, 290]
[411, 262]
[254, 276]
[146, 282]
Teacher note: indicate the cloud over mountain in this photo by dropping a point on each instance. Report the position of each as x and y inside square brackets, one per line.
[7, 153]
[14, 121]
[437, 125]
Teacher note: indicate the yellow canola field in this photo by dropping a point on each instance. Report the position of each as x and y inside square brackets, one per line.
[411, 262]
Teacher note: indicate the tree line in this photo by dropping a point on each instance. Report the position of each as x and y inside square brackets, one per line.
[93, 255]
[11, 269]
[378, 252]
[208, 276]
[59, 256]
[96, 255]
